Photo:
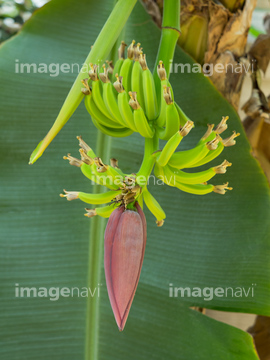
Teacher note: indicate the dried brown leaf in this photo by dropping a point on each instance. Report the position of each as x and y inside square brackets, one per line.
[229, 81]
[154, 10]
[236, 30]
[218, 20]
[265, 140]
[260, 51]
[253, 128]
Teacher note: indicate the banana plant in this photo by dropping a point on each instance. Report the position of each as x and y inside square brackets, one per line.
[203, 241]
[153, 117]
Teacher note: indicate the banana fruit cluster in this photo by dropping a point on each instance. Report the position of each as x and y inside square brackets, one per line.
[169, 164]
[123, 99]
[127, 190]
[123, 188]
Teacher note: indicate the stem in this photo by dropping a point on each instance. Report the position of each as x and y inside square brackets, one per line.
[101, 48]
[169, 36]
[96, 252]
[150, 146]
[95, 263]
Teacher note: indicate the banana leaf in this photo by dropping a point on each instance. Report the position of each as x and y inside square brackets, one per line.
[208, 242]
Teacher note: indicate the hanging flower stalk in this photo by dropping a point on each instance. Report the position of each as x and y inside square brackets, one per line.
[123, 99]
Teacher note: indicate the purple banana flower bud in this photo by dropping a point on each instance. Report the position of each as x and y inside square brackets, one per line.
[125, 240]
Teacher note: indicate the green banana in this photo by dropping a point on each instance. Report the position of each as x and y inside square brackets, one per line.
[112, 132]
[154, 207]
[149, 91]
[104, 211]
[94, 170]
[111, 103]
[172, 121]
[91, 173]
[190, 158]
[121, 57]
[169, 149]
[136, 76]
[211, 155]
[203, 189]
[103, 178]
[182, 116]
[140, 119]
[126, 68]
[185, 159]
[197, 189]
[116, 175]
[216, 152]
[92, 167]
[117, 68]
[125, 110]
[161, 120]
[89, 169]
[95, 113]
[213, 134]
[110, 99]
[196, 178]
[86, 170]
[123, 104]
[95, 199]
[172, 144]
[97, 91]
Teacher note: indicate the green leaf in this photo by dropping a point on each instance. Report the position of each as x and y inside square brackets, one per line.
[209, 241]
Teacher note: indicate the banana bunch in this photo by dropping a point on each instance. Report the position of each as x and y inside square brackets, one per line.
[126, 189]
[122, 99]
[123, 189]
[169, 164]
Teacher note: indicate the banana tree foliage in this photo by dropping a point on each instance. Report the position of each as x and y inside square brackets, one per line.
[208, 241]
